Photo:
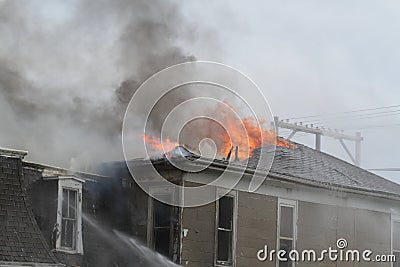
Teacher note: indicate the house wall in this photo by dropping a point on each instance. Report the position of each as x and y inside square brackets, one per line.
[108, 204]
[319, 227]
[120, 204]
[256, 227]
[198, 245]
[137, 208]
[134, 199]
[109, 207]
[44, 197]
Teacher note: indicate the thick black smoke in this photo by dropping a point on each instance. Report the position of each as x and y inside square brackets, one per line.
[67, 72]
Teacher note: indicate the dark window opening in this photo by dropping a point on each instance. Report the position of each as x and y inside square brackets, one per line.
[164, 227]
[225, 230]
[224, 246]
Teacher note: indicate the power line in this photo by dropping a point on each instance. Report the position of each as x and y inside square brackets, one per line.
[344, 122]
[346, 112]
[356, 116]
[372, 127]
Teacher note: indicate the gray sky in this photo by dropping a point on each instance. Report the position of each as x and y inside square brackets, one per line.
[308, 57]
[317, 57]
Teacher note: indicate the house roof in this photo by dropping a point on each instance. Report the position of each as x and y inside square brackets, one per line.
[20, 238]
[13, 153]
[304, 164]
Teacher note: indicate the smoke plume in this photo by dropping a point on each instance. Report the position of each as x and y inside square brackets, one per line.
[68, 70]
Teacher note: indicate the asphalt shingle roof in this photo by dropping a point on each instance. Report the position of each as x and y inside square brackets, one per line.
[20, 237]
[318, 167]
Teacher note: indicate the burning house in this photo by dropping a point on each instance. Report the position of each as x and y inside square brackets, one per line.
[71, 74]
[309, 200]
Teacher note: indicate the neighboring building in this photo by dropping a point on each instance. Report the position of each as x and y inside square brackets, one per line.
[54, 217]
[82, 217]
[21, 242]
[308, 201]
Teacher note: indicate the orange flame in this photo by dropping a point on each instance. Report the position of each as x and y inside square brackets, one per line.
[156, 145]
[251, 138]
[245, 133]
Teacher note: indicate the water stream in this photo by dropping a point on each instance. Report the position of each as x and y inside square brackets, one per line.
[127, 250]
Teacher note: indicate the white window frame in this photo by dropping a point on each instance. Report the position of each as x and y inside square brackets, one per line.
[292, 204]
[234, 195]
[395, 218]
[70, 183]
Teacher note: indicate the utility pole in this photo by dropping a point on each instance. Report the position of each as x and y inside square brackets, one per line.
[321, 131]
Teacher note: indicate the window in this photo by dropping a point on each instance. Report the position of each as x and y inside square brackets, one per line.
[287, 214]
[69, 219]
[396, 240]
[225, 230]
[163, 223]
[68, 229]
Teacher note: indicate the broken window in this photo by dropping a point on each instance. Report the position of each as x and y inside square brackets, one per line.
[225, 230]
[396, 242]
[286, 229]
[69, 219]
[163, 224]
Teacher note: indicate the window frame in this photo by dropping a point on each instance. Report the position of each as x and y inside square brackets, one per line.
[150, 215]
[74, 184]
[67, 218]
[292, 204]
[395, 218]
[233, 194]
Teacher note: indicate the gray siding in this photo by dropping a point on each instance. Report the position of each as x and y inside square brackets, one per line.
[319, 227]
[256, 227]
[198, 245]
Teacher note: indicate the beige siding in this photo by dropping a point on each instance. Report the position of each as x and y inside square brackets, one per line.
[198, 245]
[256, 225]
[319, 226]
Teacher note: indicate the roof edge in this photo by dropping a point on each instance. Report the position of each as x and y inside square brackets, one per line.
[30, 264]
[347, 189]
[13, 153]
[221, 164]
